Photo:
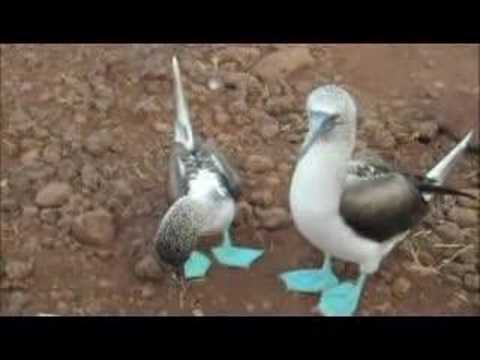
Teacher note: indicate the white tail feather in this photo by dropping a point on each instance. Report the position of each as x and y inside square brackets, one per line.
[183, 127]
[442, 169]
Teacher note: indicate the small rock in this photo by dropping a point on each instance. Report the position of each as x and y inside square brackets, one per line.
[148, 269]
[284, 168]
[62, 307]
[30, 211]
[273, 181]
[470, 257]
[221, 117]
[244, 216]
[266, 305]
[52, 153]
[18, 270]
[259, 164]
[430, 63]
[54, 194]
[241, 121]
[262, 198]
[94, 227]
[49, 216]
[90, 177]
[427, 130]
[123, 189]
[465, 217]
[105, 284]
[11, 149]
[80, 118]
[472, 282]
[147, 292]
[198, 312]
[269, 131]
[215, 83]
[426, 259]
[104, 254]
[274, 218]
[401, 286]
[35, 172]
[17, 302]
[47, 242]
[459, 269]
[387, 276]
[238, 107]
[99, 142]
[283, 62]
[67, 170]
[384, 308]
[161, 127]
[470, 203]
[29, 157]
[280, 106]
[449, 232]
[399, 103]
[8, 205]
[65, 224]
[454, 279]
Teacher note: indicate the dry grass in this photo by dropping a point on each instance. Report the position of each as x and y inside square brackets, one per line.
[413, 249]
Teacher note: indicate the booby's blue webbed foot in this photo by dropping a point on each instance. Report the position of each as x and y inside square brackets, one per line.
[235, 256]
[342, 300]
[196, 266]
[310, 280]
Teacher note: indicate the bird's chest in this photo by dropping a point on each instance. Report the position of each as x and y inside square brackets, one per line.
[207, 188]
[315, 194]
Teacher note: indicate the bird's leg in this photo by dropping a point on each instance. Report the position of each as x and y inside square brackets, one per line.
[234, 256]
[196, 266]
[311, 280]
[343, 299]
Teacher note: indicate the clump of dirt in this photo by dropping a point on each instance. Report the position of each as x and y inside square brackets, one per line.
[86, 134]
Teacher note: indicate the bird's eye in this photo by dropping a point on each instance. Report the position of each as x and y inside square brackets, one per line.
[335, 119]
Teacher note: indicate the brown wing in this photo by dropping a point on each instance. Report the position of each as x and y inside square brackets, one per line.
[381, 207]
[183, 164]
[224, 167]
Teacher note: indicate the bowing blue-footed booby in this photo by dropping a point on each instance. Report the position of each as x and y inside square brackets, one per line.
[202, 190]
[355, 210]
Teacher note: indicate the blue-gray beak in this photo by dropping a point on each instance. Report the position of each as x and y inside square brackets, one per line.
[320, 124]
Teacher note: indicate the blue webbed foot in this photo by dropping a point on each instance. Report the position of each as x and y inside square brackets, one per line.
[235, 256]
[197, 265]
[341, 300]
[309, 280]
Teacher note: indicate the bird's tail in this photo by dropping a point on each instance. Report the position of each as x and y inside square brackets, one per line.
[438, 174]
[183, 127]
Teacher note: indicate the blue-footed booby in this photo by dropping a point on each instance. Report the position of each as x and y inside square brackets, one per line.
[355, 210]
[202, 191]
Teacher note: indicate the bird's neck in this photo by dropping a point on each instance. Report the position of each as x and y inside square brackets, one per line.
[318, 179]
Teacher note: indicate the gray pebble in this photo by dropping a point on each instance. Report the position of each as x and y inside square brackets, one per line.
[400, 287]
[259, 164]
[53, 194]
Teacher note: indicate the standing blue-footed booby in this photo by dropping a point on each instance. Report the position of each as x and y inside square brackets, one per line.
[203, 188]
[352, 209]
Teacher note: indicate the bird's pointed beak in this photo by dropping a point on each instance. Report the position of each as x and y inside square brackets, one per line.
[318, 126]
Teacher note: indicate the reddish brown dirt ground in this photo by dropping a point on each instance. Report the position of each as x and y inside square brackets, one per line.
[99, 118]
